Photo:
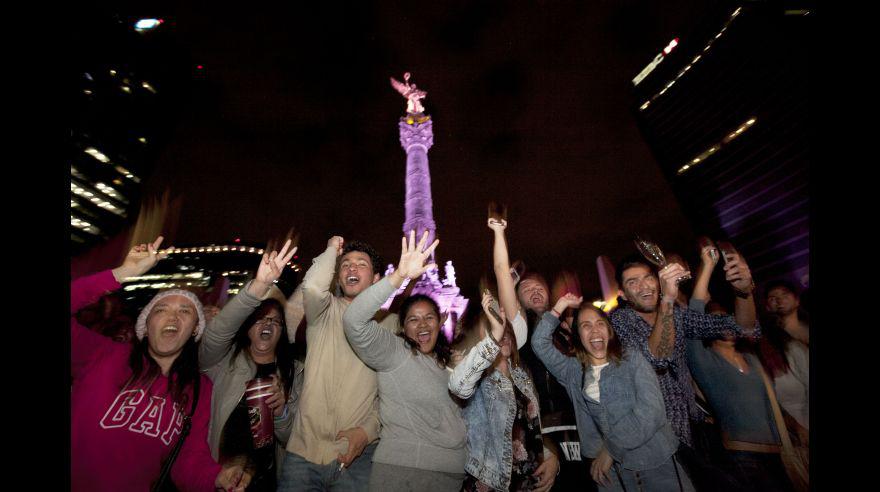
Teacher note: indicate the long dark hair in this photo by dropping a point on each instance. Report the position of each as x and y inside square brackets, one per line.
[442, 350]
[771, 346]
[283, 350]
[183, 373]
[615, 349]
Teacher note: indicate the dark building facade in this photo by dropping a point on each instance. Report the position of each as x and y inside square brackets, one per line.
[726, 114]
[131, 83]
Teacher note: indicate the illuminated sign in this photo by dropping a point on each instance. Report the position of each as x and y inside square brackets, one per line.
[656, 61]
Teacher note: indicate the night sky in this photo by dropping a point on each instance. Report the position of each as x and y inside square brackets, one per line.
[296, 125]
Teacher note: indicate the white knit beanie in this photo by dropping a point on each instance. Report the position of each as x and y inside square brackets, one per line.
[140, 327]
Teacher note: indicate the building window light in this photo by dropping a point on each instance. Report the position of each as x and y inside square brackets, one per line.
[711, 150]
[97, 154]
[147, 24]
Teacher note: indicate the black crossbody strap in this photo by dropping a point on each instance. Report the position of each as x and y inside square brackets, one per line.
[184, 431]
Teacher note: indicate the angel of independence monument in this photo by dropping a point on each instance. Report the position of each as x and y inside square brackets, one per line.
[416, 138]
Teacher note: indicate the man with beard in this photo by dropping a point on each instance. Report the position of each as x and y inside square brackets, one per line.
[336, 428]
[651, 322]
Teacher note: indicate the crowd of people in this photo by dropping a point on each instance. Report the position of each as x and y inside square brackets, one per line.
[676, 389]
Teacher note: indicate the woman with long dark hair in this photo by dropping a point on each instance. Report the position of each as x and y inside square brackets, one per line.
[785, 352]
[131, 404]
[248, 340]
[618, 404]
[422, 445]
[505, 445]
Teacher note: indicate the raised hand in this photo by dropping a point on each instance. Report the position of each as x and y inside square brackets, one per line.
[569, 300]
[270, 269]
[412, 257]
[497, 225]
[709, 256]
[336, 242]
[140, 259]
[737, 272]
[496, 324]
[669, 276]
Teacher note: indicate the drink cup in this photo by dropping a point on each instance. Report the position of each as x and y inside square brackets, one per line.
[259, 414]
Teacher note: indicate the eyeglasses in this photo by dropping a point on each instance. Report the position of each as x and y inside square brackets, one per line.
[269, 321]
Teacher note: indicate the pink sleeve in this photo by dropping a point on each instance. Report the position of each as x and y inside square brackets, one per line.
[85, 344]
[195, 470]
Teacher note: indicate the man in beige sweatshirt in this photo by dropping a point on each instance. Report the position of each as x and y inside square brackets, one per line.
[336, 428]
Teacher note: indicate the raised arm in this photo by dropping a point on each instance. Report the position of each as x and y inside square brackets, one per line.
[648, 414]
[318, 280]
[294, 312]
[708, 261]
[468, 372]
[661, 341]
[737, 272]
[501, 264]
[562, 367]
[220, 332]
[377, 347]
[85, 345]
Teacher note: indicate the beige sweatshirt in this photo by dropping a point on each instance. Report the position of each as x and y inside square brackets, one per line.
[340, 391]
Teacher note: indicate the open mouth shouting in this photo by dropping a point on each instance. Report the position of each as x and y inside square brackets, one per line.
[597, 347]
[352, 280]
[423, 337]
[266, 333]
[169, 331]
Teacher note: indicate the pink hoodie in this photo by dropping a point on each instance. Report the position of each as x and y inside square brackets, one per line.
[120, 439]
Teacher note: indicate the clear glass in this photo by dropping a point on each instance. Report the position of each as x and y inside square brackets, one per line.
[654, 254]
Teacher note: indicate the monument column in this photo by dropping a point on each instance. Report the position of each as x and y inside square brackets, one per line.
[416, 139]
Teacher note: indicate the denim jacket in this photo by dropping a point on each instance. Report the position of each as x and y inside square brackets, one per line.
[630, 421]
[490, 413]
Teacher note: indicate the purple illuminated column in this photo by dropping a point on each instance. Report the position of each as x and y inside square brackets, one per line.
[416, 139]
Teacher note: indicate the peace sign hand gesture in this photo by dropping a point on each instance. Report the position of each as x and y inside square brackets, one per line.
[140, 259]
[270, 269]
[412, 258]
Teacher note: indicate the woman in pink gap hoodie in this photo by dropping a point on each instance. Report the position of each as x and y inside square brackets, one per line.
[124, 427]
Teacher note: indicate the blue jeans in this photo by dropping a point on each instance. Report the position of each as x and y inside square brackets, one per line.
[668, 477]
[298, 474]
